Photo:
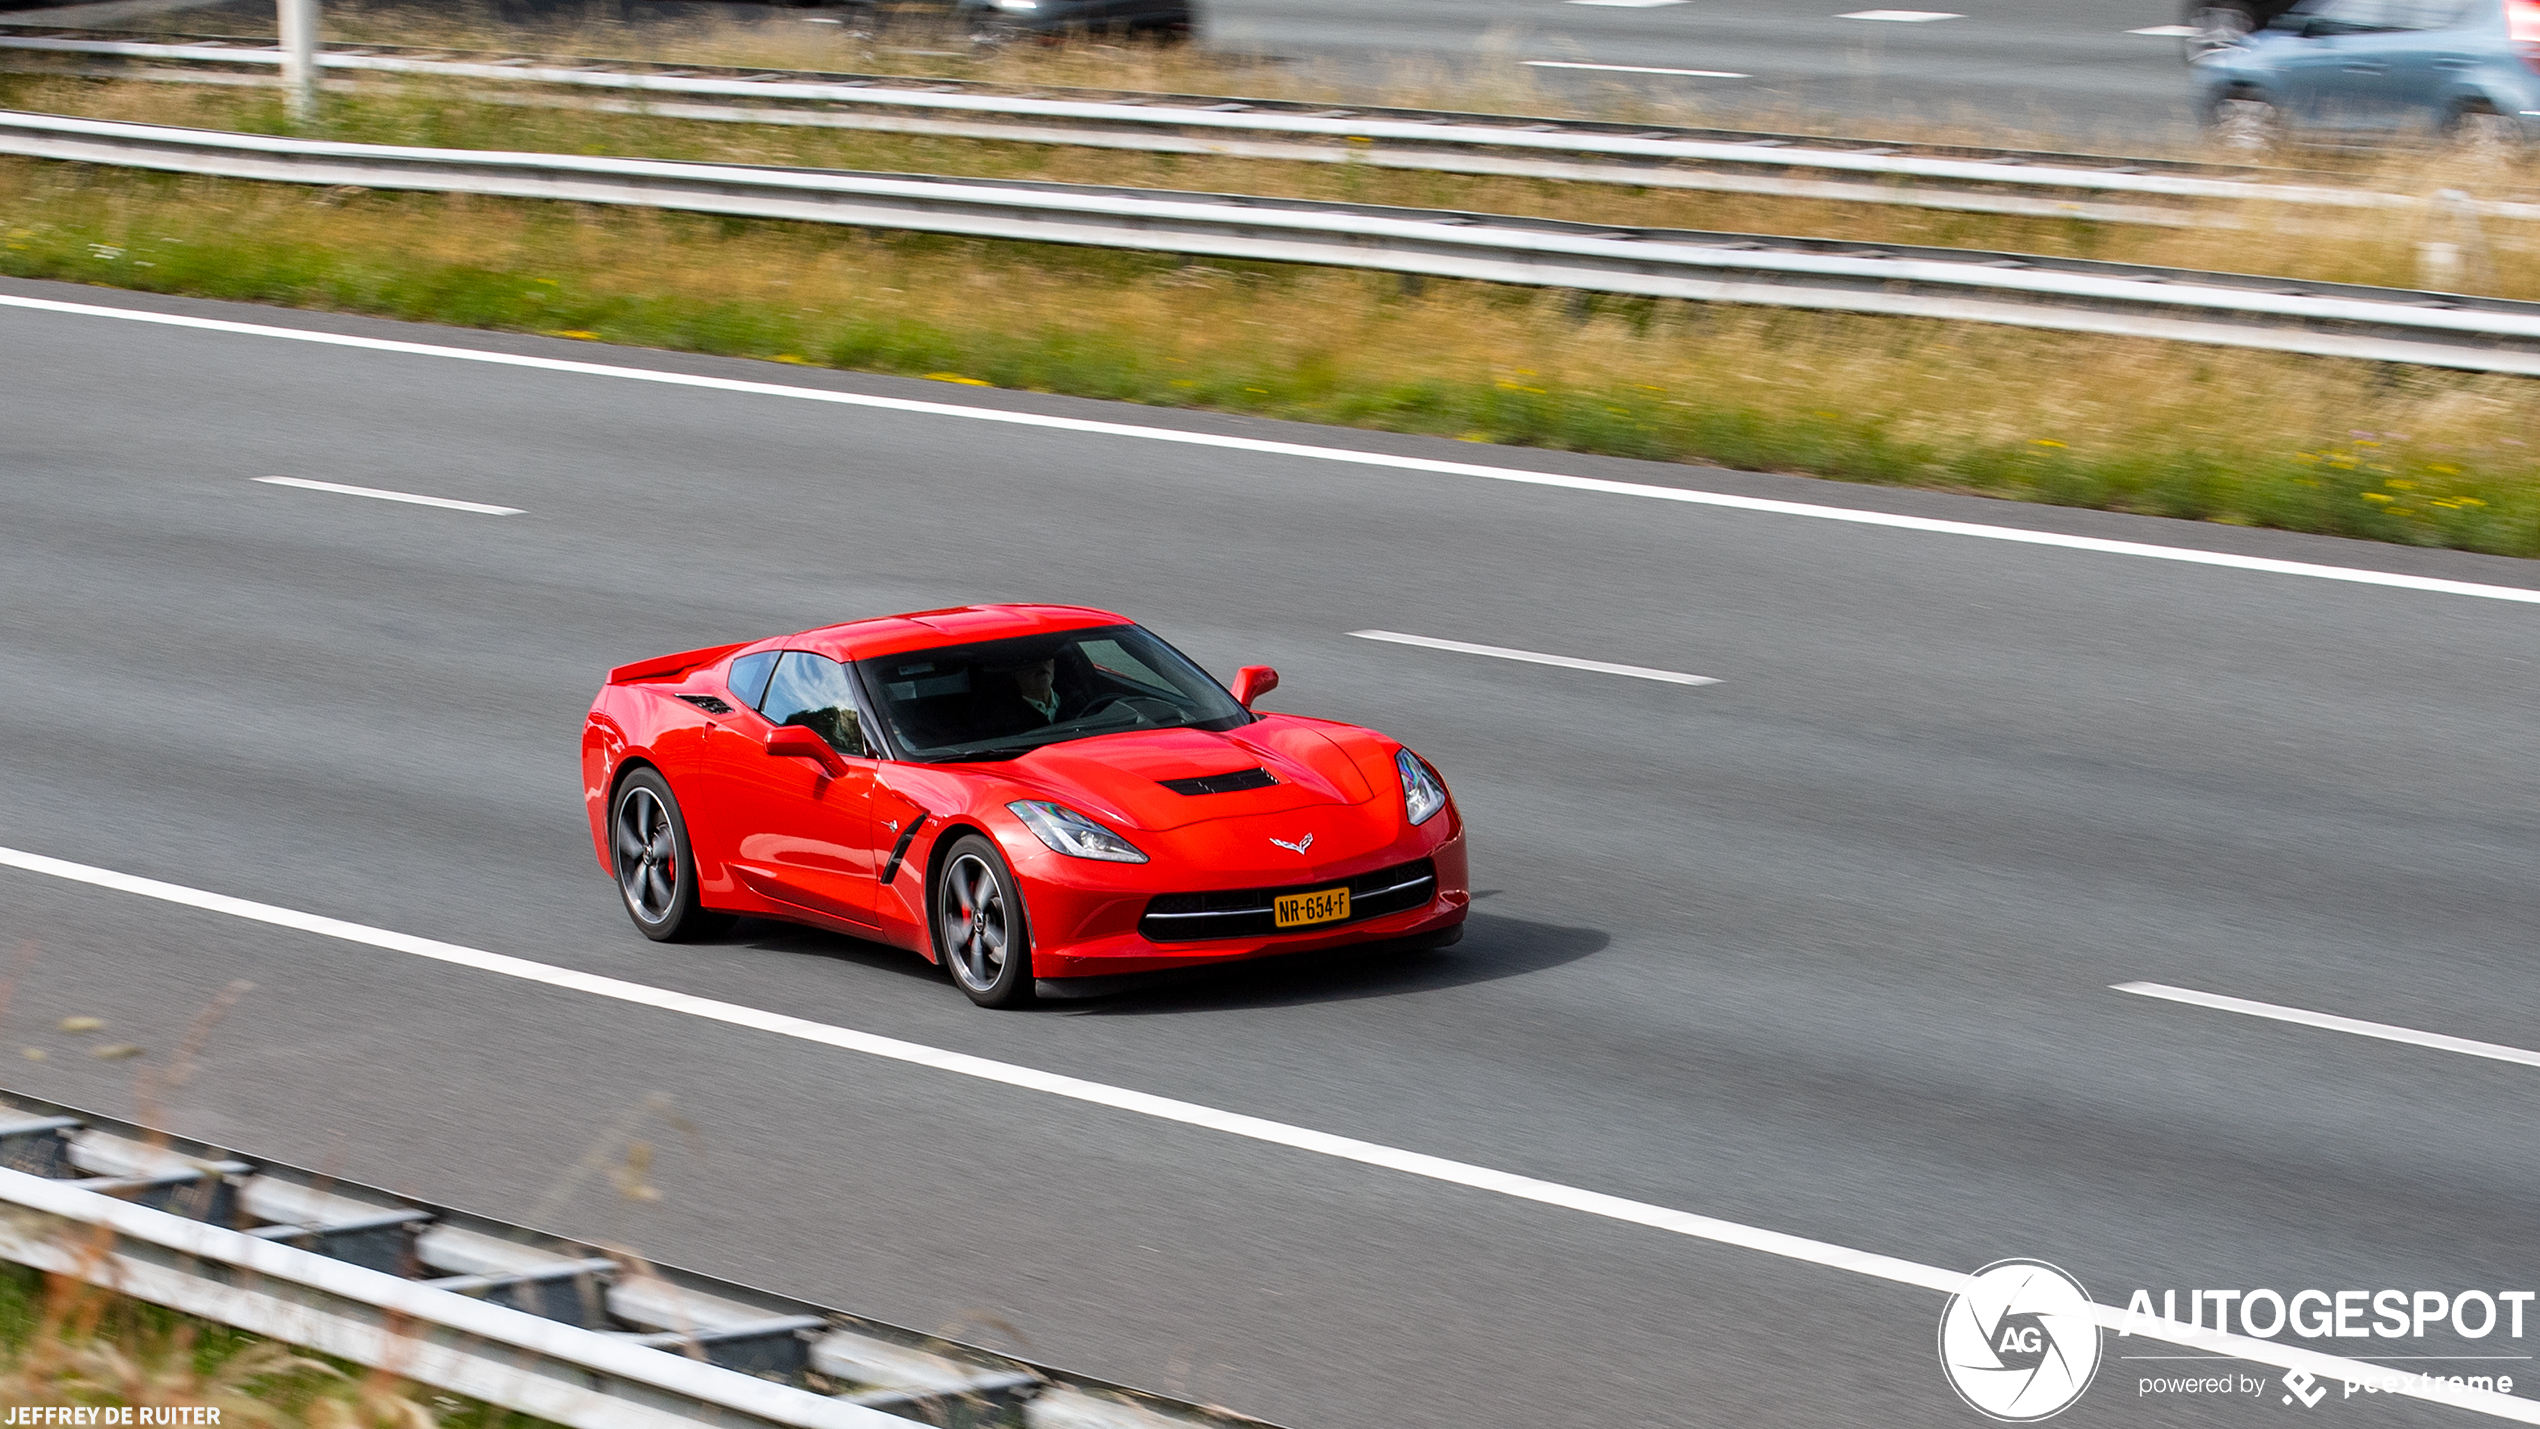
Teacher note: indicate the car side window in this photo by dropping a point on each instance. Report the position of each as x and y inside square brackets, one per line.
[815, 692]
[747, 679]
[2431, 14]
[2357, 17]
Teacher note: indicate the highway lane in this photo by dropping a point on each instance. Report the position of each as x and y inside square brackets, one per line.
[2067, 67]
[1823, 948]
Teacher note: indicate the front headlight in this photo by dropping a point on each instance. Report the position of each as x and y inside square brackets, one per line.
[1422, 794]
[1071, 833]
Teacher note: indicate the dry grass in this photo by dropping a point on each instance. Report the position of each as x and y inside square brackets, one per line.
[2308, 444]
[65, 1342]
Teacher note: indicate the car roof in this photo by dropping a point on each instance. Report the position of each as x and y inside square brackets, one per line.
[931, 629]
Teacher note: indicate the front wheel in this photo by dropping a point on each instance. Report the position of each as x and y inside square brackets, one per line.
[981, 933]
[656, 869]
[2246, 124]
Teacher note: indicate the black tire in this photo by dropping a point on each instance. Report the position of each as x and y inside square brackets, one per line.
[655, 868]
[2483, 131]
[983, 937]
[2245, 122]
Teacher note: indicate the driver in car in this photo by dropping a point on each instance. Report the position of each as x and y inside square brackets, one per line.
[1026, 698]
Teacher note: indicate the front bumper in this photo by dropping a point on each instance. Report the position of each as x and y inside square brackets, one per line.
[1094, 920]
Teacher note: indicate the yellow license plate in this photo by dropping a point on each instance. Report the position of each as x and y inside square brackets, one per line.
[1299, 910]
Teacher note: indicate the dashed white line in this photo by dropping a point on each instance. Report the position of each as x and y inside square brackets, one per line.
[2384, 1031]
[2175, 32]
[1298, 450]
[375, 494]
[1902, 17]
[1253, 1128]
[1628, 4]
[1566, 662]
[1636, 69]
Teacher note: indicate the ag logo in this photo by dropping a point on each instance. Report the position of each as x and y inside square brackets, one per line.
[2020, 1340]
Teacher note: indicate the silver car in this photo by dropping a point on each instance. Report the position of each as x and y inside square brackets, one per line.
[2354, 68]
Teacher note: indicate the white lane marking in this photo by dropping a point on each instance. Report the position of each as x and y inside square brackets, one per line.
[1629, 4]
[1566, 662]
[2173, 32]
[1253, 1128]
[1635, 69]
[445, 503]
[1902, 17]
[2387, 1032]
[1517, 475]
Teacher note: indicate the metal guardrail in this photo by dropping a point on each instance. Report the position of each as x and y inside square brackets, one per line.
[2323, 319]
[2002, 181]
[530, 1322]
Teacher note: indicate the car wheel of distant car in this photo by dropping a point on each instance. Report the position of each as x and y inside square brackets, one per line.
[980, 927]
[2481, 132]
[656, 870]
[2247, 122]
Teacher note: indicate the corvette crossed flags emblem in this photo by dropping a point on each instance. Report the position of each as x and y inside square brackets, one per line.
[1300, 846]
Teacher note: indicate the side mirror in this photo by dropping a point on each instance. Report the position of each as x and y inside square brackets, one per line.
[1254, 681]
[794, 741]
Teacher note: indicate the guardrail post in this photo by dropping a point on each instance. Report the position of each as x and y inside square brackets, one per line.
[299, 58]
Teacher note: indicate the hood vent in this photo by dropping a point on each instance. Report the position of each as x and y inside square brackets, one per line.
[1235, 783]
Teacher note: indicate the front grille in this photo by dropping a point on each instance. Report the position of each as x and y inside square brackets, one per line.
[1246, 913]
[1234, 783]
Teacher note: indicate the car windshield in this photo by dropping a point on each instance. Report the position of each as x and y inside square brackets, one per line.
[1001, 698]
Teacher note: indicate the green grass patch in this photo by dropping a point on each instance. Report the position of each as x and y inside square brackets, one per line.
[2344, 448]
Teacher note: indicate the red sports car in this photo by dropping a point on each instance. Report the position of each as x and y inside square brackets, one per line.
[1042, 798]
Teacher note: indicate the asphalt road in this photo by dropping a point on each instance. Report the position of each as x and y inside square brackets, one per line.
[2070, 71]
[1826, 948]
[2057, 67]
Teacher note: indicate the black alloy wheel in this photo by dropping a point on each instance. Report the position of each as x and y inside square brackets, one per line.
[981, 933]
[656, 871]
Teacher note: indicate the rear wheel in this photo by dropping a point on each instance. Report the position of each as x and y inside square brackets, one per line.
[2482, 133]
[656, 870]
[980, 929]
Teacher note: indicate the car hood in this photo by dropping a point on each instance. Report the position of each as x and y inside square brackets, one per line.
[1119, 777]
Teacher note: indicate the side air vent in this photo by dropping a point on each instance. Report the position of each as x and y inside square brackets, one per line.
[709, 703]
[1234, 783]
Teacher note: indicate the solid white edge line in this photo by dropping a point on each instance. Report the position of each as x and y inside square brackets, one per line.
[1638, 672]
[1556, 480]
[2384, 1031]
[408, 497]
[1411, 1163]
[1636, 69]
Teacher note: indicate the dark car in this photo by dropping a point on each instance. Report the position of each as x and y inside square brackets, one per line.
[2359, 68]
[993, 20]
[2221, 25]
